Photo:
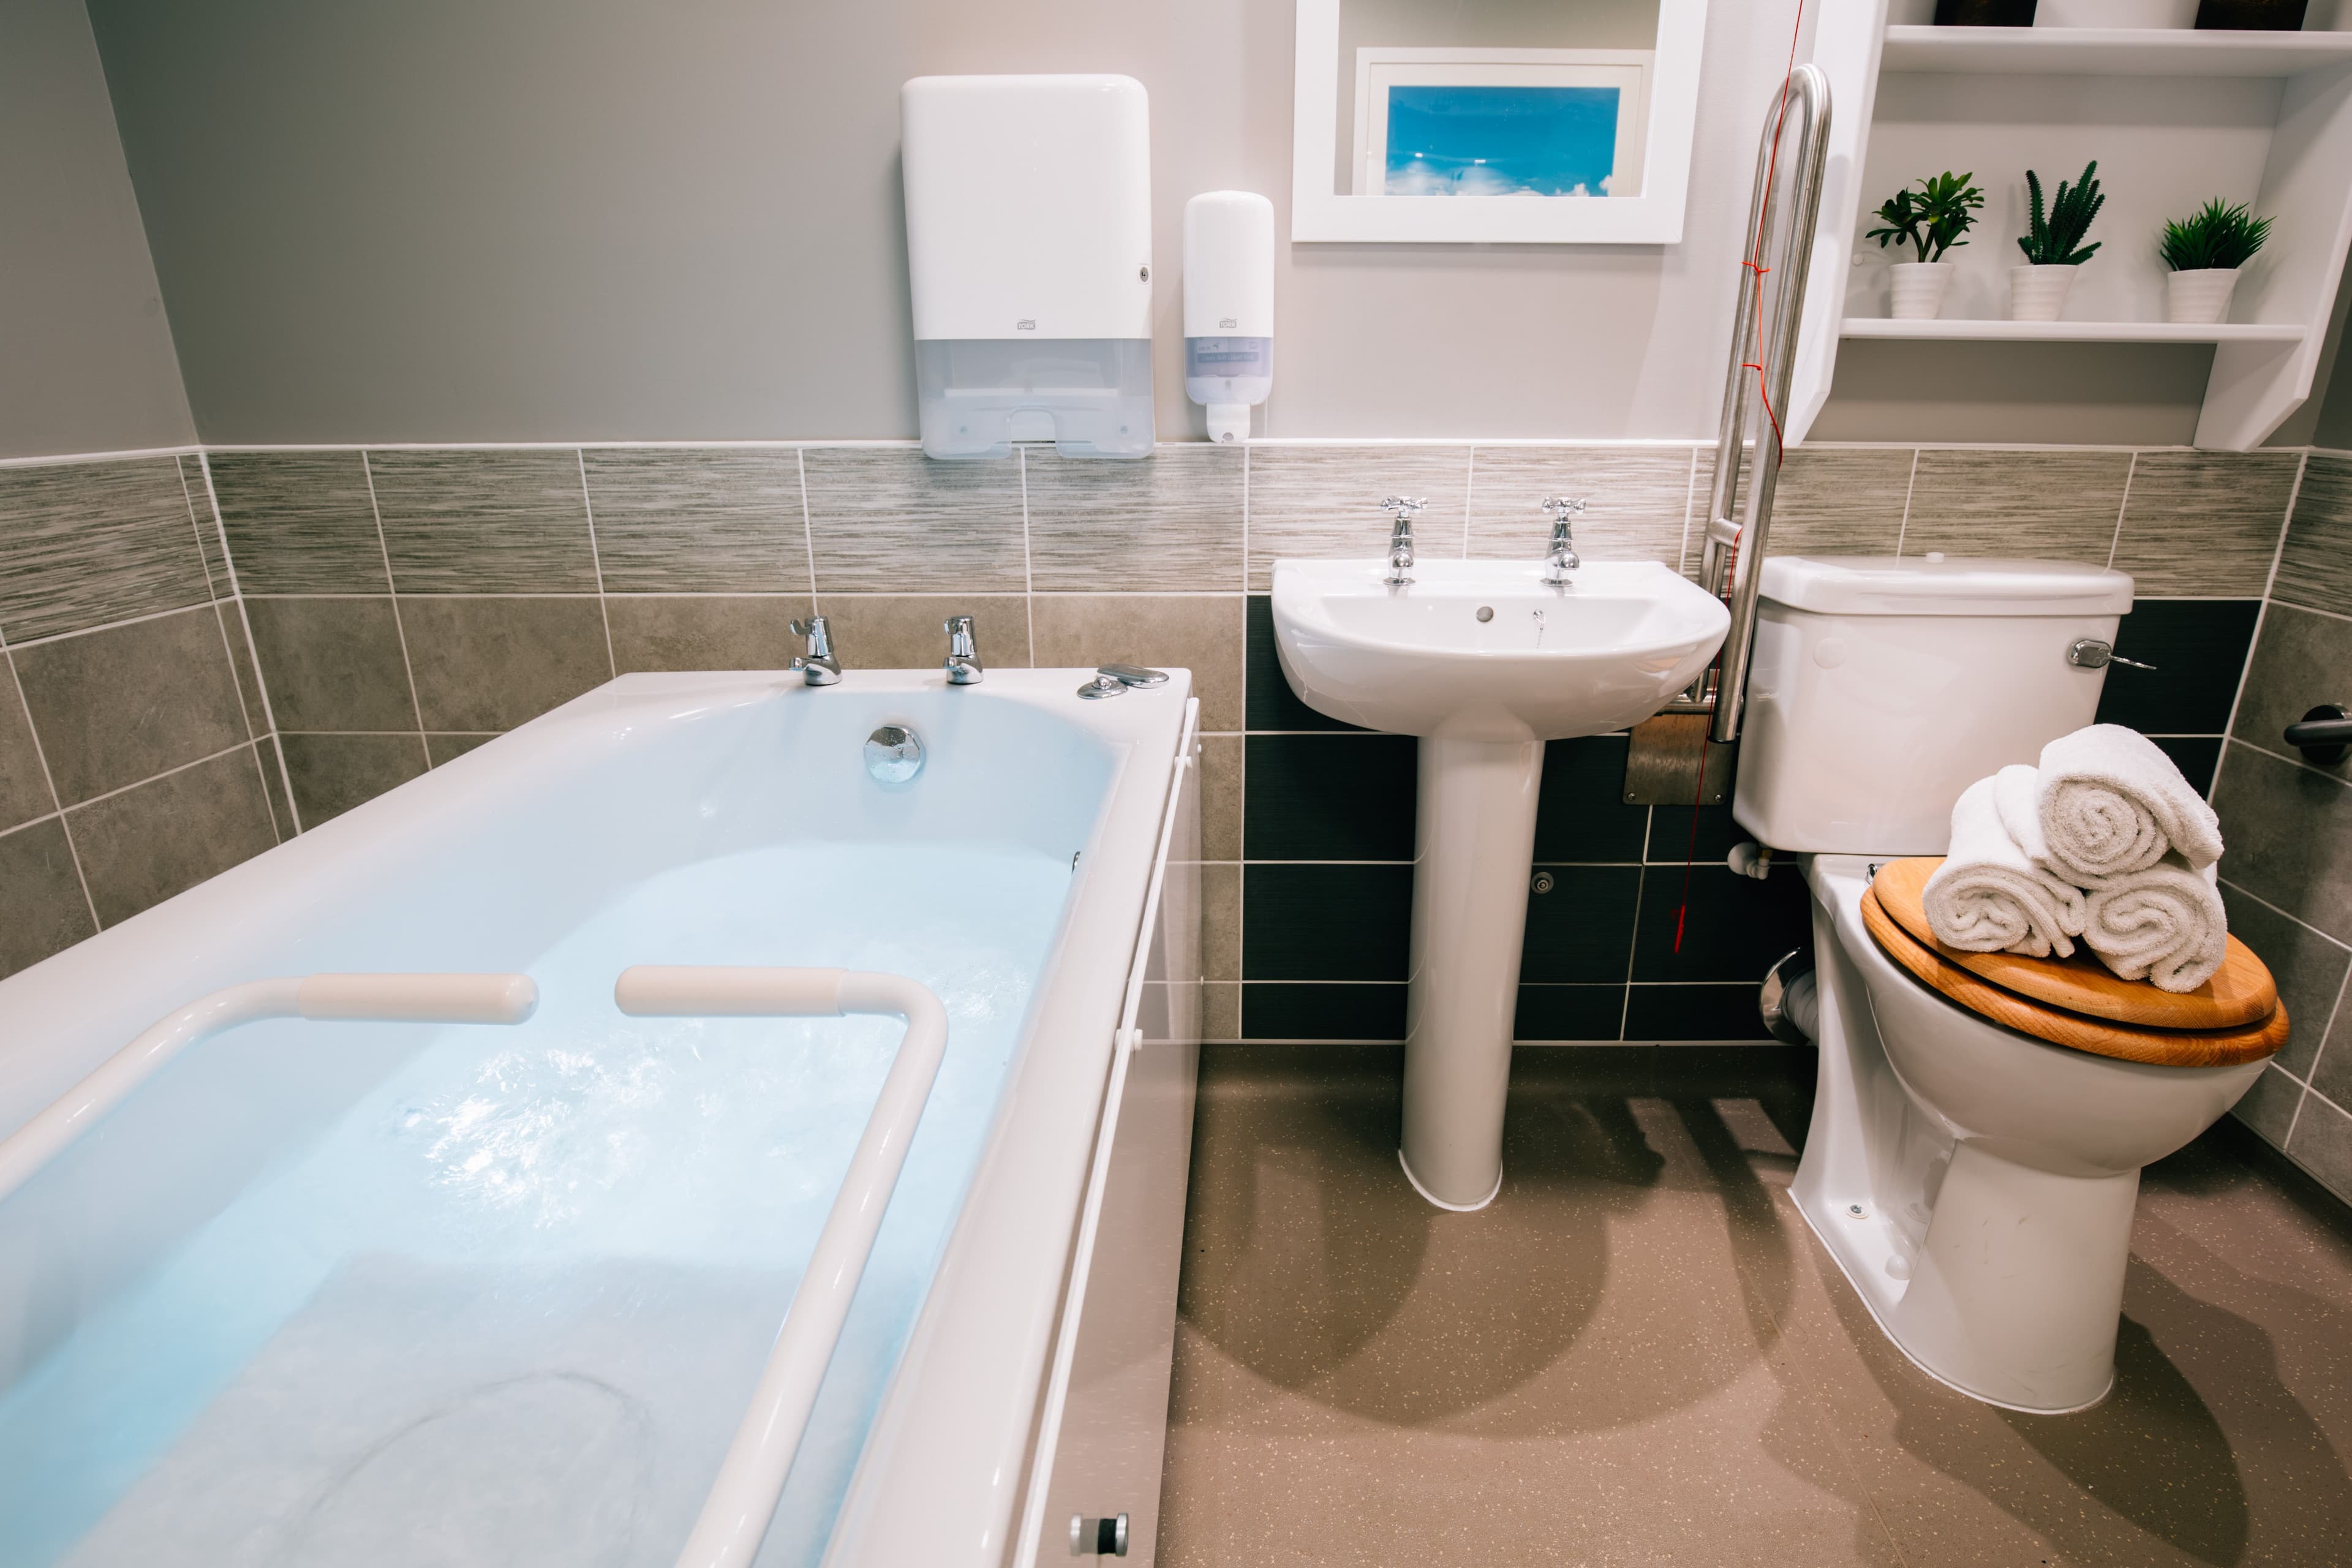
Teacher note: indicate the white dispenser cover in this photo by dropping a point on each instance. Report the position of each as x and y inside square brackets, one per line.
[1882, 687]
[1228, 307]
[1029, 255]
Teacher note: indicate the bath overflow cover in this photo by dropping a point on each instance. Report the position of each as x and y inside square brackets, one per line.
[894, 754]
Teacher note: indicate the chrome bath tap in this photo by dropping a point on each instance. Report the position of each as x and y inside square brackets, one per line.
[818, 666]
[963, 666]
[1562, 559]
[1402, 508]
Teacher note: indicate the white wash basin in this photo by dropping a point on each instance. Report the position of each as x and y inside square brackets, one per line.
[1606, 651]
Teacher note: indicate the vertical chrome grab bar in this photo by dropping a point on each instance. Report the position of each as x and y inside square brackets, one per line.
[750, 1479]
[1736, 552]
[370, 998]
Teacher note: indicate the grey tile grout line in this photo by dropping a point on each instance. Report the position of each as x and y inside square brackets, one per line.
[106, 625]
[2261, 618]
[253, 649]
[1633, 941]
[399, 624]
[1910, 486]
[2308, 610]
[2123, 511]
[220, 623]
[808, 524]
[1683, 562]
[41, 755]
[595, 564]
[2286, 914]
[1028, 566]
[1469, 495]
[2295, 763]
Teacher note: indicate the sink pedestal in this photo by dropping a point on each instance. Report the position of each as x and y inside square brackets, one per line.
[1474, 837]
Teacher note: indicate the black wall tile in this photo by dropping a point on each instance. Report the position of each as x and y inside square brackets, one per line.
[2198, 647]
[1568, 1012]
[42, 894]
[1580, 811]
[124, 703]
[1323, 1012]
[1694, 1013]
[1271, 704]
[1581, 931]
[1326, 922]
[1737, 927]
[1671, 840]
[1329, 797]
[333, 773]
[2195, 755]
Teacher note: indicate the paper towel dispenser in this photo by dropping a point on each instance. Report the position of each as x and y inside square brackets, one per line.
[1029, 250]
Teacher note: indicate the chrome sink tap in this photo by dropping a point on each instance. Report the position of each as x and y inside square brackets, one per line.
[1402, 509]
[818, 666]
[1562, 559]
[963, 665]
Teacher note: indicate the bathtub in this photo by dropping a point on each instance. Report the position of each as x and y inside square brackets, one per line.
[317, 1287]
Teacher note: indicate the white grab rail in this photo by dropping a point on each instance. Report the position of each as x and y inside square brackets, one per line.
[378, 998]
[750, 1479]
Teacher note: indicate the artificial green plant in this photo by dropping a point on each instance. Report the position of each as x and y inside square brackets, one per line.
[1931, 219]
[2056, 239]
[2214, 235]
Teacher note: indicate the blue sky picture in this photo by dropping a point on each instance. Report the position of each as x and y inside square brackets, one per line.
[1501, 141]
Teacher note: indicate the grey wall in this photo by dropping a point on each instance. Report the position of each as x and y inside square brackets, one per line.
[86, 362]
[588, 219]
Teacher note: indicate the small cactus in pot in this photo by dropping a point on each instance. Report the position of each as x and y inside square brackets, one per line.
[2053, 245]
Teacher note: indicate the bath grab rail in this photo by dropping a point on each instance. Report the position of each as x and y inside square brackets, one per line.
[1733, 566]
[735, 1514]
[352, 998]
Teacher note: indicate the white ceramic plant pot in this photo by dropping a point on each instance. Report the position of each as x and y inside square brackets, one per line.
[2039, 293]
[2199, 298]
[1919, 289]
[2115, 14]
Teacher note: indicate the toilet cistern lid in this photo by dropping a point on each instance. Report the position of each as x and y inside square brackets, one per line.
[1941, 584]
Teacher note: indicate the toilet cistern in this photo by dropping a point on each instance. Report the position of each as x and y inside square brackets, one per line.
[1483, 661]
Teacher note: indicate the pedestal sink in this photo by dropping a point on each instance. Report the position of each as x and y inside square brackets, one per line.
[1484, 662]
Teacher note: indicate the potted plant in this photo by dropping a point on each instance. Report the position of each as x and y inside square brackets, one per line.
[2054, 246]
[1931, 220]
[2202, 253]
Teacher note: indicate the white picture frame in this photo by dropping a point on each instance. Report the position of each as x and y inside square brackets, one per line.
[1378, 69]
[1322, 213]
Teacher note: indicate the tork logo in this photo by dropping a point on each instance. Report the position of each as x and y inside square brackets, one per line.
[1025, 326]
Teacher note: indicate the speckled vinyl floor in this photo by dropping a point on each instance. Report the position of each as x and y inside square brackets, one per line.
[1639, 1354]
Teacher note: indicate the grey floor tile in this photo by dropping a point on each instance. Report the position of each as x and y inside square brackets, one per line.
[908, 631]
[42, 893]
[2289, 831]
[703, 631]
[450, 748]
[2050, 506]
[887, 519]
[702, 519]
[300, 522]
[333, 663]
[1221, 798]
[1314, 501]
[24, 782]
[494, 663]
[2270, 1104]
[2308, 967]
[2204, 524]
[84, 545]
[124, 704]
[1636, 499]
[2314, 567]
[1171, 523]
[333, 773]
[485, 522]
[2300, 660]
[1200, 632]
[164, 837]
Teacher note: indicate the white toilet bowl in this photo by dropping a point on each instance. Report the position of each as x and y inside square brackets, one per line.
[1977, 1185]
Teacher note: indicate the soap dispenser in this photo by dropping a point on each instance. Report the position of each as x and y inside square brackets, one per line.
[1228, 307]
[1029, 255]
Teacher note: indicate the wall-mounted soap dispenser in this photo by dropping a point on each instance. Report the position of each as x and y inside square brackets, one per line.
[1029, 250]
[1228, 307]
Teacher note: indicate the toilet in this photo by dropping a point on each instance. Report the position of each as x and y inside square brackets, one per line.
[1976, 1184]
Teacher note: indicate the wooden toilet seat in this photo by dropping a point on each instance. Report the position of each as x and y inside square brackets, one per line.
[2077, 1003]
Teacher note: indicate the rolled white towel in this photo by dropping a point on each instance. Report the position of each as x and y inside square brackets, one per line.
[2165, 925]
[2112, 803]
[1988, 896]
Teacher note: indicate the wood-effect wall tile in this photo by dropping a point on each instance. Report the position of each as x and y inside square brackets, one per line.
[1326, 500]
[2204, 524]
[715, 519]
[485, 522]
[2314, 567]
[84, 545]
[887, 519]
[1829, 500]
[1637, 502]
[1172, 521]
[2052, 505]
[300, 522]
[207, 525]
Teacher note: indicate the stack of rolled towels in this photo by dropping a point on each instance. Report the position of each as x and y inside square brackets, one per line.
[2104, 840]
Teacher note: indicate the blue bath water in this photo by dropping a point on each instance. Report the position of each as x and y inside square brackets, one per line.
[509, 1308]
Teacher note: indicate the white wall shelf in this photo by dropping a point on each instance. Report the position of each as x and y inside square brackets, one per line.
[2174, 118]
[2074, 331]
